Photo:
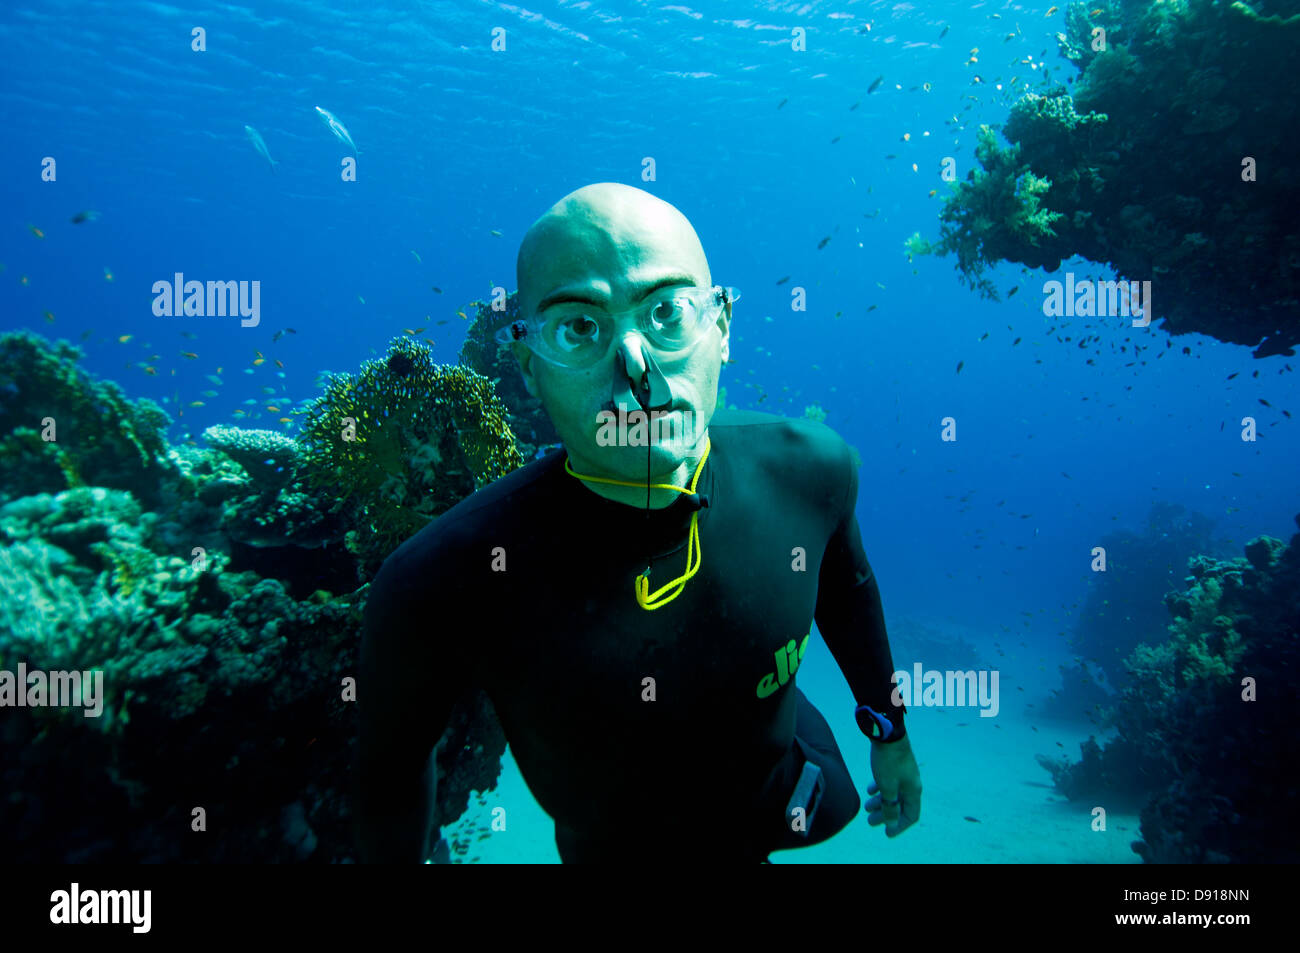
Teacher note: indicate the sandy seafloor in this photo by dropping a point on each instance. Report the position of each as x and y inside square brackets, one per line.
[970, 767]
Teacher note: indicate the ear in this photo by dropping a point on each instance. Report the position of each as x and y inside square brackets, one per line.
[524, 355]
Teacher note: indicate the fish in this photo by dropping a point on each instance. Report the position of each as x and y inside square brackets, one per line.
[854, 106]
[1012, 292]
[944, 31]
[361, 299]
[239, 412]
[495, 233]
[782, 103]
[124, 338]
[823, 243]
[279, 363]
[36, 231]
[340, 131]
[151, 371]
[436, 289]
[1264, 402]
[960, 365]
[973, 820]
[85, 216]
[49, 316]
[286, 420]
[259, 144]
[444, 321]
[214, 378]
[783, 280]
[835, 140]
[258, 362]
[875, 84]
[1015, 342]
[1051, 11]
[197, 403]
[108, 275]
[190, 354]
[268, 390]
[462, 315]
[251, 402]
[208, 393]
[272, 408]
[417, 257]
[984, 335]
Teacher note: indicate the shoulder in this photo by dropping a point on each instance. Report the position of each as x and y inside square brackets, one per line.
[799, 450]
[449, 540]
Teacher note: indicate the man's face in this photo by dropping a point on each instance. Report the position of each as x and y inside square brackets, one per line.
[614, 248]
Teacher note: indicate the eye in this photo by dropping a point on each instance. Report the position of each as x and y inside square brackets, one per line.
[670, 312]
[576, 331]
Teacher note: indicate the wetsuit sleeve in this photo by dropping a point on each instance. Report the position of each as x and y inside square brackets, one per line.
[849, 612]
[410, 680]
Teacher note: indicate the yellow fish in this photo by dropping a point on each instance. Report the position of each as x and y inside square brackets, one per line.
[259, 362]
[190, 354]
[272, 408]
[197, 403]
[124, 338]
[151, 371]
[1051, 11]
[108, 275]
[286, 420]
[462, 315]
[36, 231]
[240, 413]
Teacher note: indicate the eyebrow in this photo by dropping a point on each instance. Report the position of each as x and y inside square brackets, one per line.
[565, 296]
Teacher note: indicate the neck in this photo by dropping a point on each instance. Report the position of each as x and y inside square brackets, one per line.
[636, 495]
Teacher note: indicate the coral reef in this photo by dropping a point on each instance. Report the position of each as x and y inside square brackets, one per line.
[1168, 163]
[222, 684]
[400, 442]
[64, 429]
[481, 351]
[1203, 731]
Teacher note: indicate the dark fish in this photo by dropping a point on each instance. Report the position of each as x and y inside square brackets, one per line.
[872, 308]
[86, 216]
[1264, 402]
[436, 289]
[973, 820]
[442, 322]
[854, 106]
[875, 85]
[835, 140]
[984, 335]
[1012, 292]
[1015, 342]
[944, 32]
[1066, 475]
[960, 365]
[822, 244]
[782, 103]
[783, 280]
[1233, 374]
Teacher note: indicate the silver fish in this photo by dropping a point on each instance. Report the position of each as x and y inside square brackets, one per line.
[341, 131]
[259, 144]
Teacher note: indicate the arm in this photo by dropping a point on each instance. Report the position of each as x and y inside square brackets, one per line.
[405, 707]
[849, 613]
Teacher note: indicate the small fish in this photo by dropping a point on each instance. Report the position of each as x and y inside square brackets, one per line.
[259, 144]
[251, 402]
[1051, 11]
[86, 216]
[190, 354]
[272, 408]
[286, 420]
[49, 316]
[208, 393]
[1096, 13]
[267, 390]
[361, 299]
[444, 321]
[1016, 341]
[782, 103]
[854, 106]
[436, 289]
[279, 363]
[1264, 402]
[214, 378]
[875, 84]
[189, 334]
[276, 336]
[823, 243]
[872, 308]
[23, 280]
[944, 32]
[783, 280]
[108, 275]
[973, 820]
[495, 233]
[960, 365]
[197, 403]
[1012, 292]
[340, 131]
[933, 193]
[258, 362]
[151, 371]
[239, 412]
[410, 331]
[1233, 374]
[462, 315]
[124, 338]
[417, 257]
[36, 231]
[835, 140]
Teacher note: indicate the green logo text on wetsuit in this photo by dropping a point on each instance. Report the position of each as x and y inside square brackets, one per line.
[787, 663]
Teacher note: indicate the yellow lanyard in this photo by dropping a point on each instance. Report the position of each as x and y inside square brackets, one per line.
[644, 598]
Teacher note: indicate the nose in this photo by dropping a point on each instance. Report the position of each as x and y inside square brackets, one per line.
[638, 381]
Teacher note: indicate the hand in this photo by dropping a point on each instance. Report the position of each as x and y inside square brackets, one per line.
[896, 788]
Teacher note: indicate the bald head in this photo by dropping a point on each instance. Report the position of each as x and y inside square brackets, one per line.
[609, 241]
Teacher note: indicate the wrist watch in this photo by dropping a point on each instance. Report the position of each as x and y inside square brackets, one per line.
[877, 727]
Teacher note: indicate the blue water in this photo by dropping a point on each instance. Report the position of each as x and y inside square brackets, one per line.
[458, 140]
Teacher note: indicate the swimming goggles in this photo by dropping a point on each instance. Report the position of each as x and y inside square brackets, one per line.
[577, 335]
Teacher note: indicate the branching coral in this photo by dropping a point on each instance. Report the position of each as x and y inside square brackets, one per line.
[401, 442]
[1169, 163]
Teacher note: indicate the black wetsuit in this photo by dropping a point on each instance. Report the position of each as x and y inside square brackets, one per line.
[525, 589]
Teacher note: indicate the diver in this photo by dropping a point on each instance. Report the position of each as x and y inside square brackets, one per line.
[637, 605]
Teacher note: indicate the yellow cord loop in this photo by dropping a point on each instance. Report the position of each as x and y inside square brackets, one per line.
[657, 600]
